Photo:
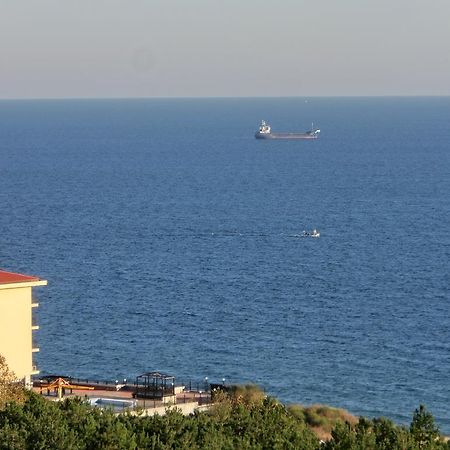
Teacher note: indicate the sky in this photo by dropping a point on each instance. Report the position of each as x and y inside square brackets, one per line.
[230, 48]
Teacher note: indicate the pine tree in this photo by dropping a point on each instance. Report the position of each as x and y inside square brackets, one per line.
[423, 429]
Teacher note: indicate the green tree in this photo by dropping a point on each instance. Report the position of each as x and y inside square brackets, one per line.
[10, 389]
[343, 437]
[388, 436]
[423, 429]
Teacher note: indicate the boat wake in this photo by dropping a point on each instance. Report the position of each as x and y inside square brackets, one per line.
[237, 234]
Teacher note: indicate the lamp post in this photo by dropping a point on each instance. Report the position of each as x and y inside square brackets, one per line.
[223, 381]
[206, 384]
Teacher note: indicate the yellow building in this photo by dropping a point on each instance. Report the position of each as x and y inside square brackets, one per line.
[16, 323]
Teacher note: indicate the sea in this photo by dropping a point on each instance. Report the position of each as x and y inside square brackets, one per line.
[172, 240]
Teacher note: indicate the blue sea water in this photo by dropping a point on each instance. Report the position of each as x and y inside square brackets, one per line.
[170, 238]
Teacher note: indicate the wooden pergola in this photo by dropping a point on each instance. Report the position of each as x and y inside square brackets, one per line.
[59, 385]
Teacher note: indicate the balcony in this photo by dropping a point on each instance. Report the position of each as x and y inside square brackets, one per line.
[34, 318]
[34, 370]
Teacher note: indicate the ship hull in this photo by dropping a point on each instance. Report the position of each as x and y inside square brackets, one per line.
[291, 136]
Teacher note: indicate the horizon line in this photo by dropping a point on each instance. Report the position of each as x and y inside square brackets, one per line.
[223, 97]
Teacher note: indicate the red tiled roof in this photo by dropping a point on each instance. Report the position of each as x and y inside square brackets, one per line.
[11, 277]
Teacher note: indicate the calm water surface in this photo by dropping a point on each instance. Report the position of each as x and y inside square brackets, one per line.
[170, 239]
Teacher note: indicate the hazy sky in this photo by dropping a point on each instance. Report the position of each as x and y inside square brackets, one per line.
[170, 48]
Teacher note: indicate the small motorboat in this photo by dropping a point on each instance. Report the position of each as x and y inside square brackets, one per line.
[314, 233]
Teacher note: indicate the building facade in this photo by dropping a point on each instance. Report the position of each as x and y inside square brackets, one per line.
[16, 323]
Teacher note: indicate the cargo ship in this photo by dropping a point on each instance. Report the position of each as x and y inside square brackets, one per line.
[265, 132]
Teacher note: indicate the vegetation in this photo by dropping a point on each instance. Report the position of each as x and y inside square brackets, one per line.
[243, 418]
[322, 419]
[10, 390]
[72, 424]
